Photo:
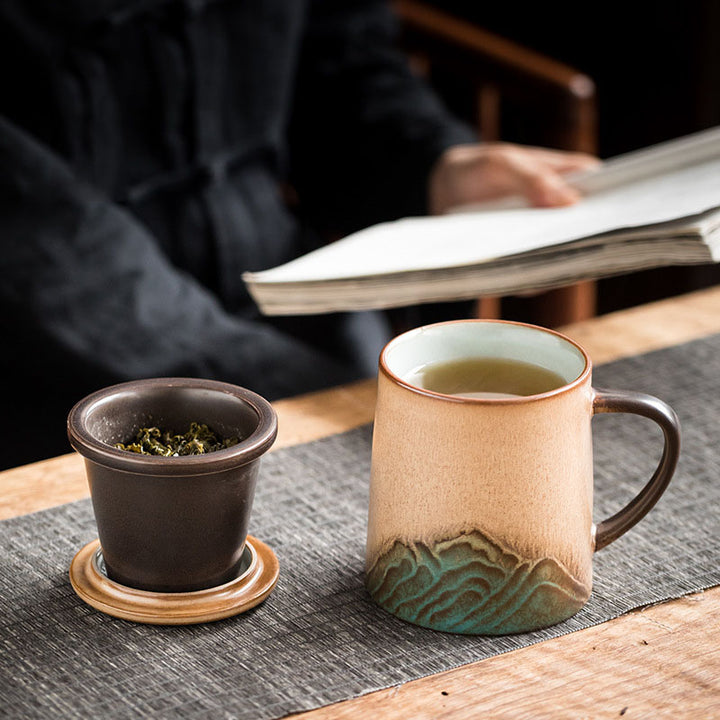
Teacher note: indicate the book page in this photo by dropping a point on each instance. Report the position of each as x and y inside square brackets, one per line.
[454, 240]
[627, 168]
[650, 162]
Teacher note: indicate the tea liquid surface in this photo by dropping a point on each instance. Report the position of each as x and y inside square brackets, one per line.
[488, 378]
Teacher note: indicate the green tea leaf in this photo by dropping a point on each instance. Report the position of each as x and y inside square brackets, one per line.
[198, 440]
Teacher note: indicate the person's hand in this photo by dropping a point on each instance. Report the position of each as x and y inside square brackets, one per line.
[482, 172]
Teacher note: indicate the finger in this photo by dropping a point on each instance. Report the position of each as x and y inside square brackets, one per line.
[558, 195]
[543, 187]
[550, 191]
[563, 161]
[541, 184]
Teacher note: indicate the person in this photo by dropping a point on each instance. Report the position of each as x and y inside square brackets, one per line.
[153, 150]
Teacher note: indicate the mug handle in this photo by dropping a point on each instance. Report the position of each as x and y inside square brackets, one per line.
[625, 401]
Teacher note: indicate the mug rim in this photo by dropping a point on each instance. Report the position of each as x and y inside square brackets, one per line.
[245, 451]
[564, 388]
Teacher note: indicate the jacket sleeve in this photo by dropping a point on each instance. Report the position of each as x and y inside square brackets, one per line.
[87, 295]
[365, 131]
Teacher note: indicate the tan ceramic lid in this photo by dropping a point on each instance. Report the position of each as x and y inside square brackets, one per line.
[256, 581]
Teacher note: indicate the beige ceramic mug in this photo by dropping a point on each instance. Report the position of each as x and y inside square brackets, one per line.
[480, 517]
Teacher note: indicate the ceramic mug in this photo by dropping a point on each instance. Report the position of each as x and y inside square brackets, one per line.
[172, 524]
[480, 515]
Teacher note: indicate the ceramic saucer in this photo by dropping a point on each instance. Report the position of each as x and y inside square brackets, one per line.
[255, 581]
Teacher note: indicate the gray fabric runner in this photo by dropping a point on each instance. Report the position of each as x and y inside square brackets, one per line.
[318, 638]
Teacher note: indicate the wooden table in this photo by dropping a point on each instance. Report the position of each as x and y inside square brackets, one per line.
[660, 662]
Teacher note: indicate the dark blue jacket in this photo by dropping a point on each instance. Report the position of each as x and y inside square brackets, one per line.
[151, 151]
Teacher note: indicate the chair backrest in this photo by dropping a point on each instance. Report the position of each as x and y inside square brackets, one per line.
[495, 75]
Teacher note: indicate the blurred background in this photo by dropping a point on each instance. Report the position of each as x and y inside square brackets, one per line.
[656, 75]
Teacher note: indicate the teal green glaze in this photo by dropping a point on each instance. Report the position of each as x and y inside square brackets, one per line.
[472, 585]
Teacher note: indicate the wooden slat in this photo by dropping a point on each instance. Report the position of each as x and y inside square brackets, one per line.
[481, 43]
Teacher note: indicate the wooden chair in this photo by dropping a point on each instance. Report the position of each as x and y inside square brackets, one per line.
[507, 92]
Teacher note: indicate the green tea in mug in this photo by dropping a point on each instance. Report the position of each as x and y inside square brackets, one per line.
[486, 378]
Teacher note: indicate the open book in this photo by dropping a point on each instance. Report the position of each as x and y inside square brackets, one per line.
[653, 207]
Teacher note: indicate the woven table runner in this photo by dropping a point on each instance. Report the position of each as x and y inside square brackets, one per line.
[318, 638]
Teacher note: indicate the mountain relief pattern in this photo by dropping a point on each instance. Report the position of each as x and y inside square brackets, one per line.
[472, 585]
